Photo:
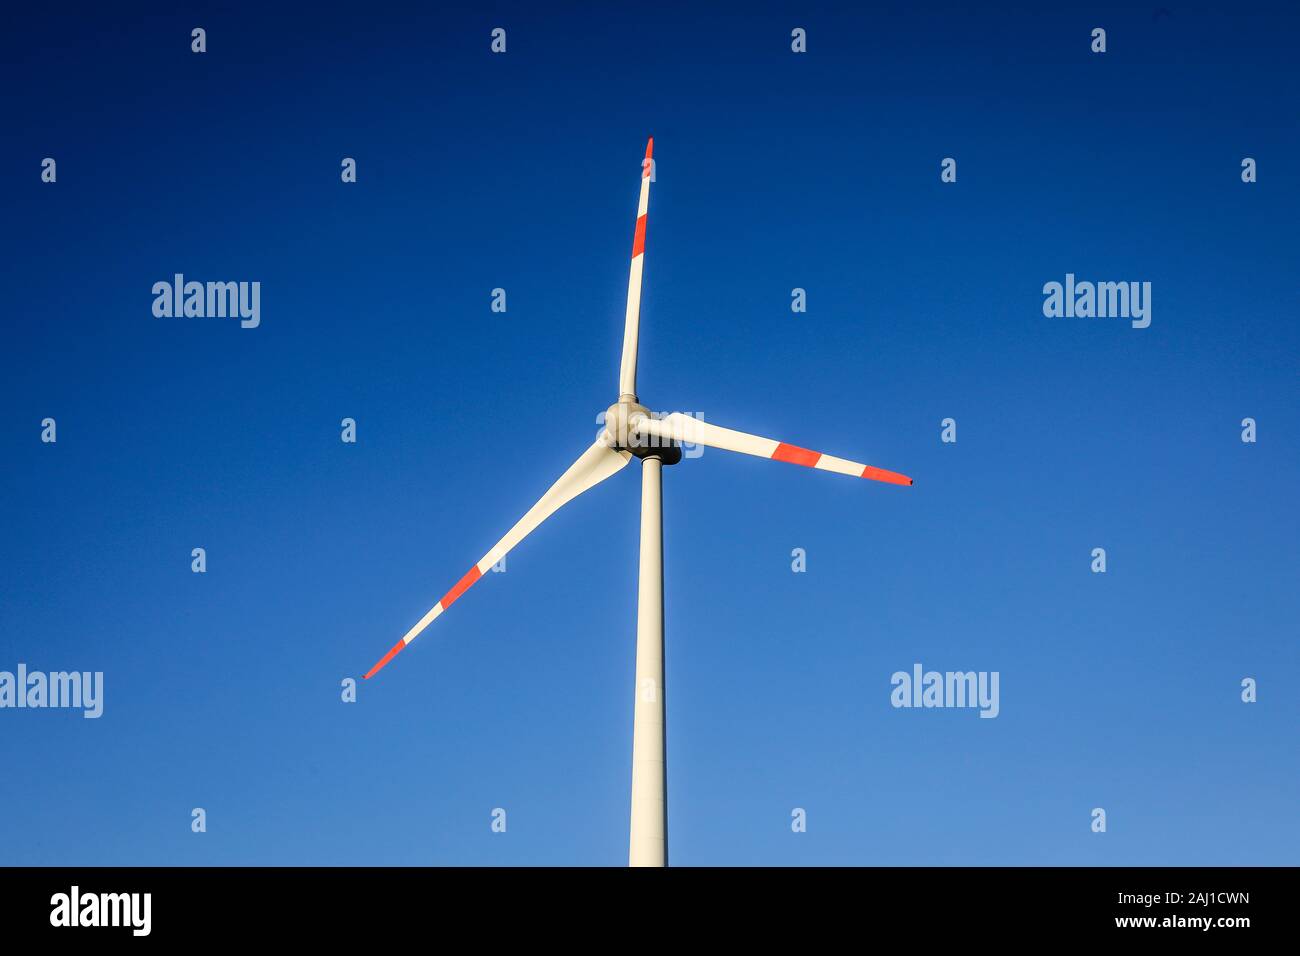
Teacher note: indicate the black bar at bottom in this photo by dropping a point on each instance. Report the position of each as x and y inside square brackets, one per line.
[334, 906]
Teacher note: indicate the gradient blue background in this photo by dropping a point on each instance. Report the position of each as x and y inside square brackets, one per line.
[774, 171]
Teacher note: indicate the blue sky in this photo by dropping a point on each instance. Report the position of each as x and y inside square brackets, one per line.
[775, 171]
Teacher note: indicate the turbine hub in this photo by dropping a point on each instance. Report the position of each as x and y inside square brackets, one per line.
[619, 419]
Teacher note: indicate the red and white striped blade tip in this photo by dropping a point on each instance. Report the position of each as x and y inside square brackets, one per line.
[385, 659]
[795, 455]
[880, 474]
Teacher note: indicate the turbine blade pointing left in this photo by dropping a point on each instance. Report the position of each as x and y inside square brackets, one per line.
[597, 463]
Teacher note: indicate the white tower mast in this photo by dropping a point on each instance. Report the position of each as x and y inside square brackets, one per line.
[649, 831]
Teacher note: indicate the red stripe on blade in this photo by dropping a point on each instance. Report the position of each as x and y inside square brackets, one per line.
[879, 474]
[638, 241]
[461, 586]
[386, 658]
[649, 154]
[795, 455]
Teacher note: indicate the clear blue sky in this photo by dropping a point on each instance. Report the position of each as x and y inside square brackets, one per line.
[775, 171]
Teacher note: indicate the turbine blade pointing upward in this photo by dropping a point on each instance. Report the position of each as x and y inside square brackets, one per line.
[597, 463]
[632, 324]
[684, 428]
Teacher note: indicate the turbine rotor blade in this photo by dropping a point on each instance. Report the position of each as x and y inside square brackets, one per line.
[632, 323]
[689, 430]
[597, 463]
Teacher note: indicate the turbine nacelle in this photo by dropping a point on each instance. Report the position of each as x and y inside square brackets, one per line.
[622, 421]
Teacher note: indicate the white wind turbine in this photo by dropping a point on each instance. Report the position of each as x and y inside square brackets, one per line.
[631, 430]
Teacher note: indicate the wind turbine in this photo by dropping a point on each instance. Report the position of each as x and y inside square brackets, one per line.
[631, 430]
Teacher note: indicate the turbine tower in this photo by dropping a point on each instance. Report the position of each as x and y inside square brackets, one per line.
[632, 431]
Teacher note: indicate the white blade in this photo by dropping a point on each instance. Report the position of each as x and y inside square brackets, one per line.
[597, 463]
[632, 324]
[686, 429]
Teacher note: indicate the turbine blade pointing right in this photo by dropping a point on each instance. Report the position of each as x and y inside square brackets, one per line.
[597, 463]
[632, 323]
[685, 428]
